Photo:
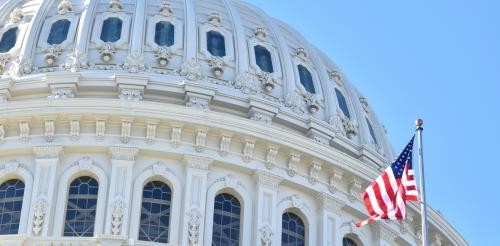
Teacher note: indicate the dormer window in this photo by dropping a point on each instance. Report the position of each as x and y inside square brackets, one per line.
[8, 40]
[263, 59]
[111, 29]
[216, 44]
[342, 103]
[372, 132]
[58, 32]
[164, 33]
[306, 79]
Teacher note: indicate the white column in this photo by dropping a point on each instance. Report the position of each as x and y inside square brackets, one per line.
[84, 27]
[265, 208]
[329, 219]
[193, 215]
[43, 198]
[136, 42]
[120, 191]
[191, 31]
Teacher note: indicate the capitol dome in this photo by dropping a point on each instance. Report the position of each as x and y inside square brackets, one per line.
[182, 122]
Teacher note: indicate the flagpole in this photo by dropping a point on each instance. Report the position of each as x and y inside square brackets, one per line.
[423, 206]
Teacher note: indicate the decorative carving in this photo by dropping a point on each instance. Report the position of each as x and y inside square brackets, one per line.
[217, 65]
[201, 135]
[117, 217]
[336, 122]
[85, 163]
[335, 180]
[364, 104]
[214, 19]
[191, 70]
[295, 201]
[272, 152]
[107, 51]
[354, 189]
[74, 129]
[49, 130]
[47, 152]
[301, 53]
[100, 129]
[24, 130]
[194, 221]
[261, 117]
[16, 15]
[350, 127]
[198, 162]
[151, 132]
[40, 209]
[312, 102]
[266, 235]
[160, 169]
[335, 76]
[260, 33]
[247, 83]
[268, 180]
[115, 5]
[248, 149]
[163, 56]
[437, 240]
[165, 9]
[130, 94]
[293, 163]
[126, 129]
[62, 93]
[176, 135]
[76, 61]
[197, 102]
[314, 170]
[52, 53]
[295, 102]
[328, 202]
[225, 142]
[229, 181]
[134, 63]
[2, 132]
[4, 59]
[267, 80]
[123, 153]
[64, 7]
[404, 225]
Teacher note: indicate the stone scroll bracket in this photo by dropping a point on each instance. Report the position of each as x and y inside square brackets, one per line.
[131, 88]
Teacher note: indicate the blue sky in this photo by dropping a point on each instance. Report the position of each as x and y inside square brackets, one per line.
[438, 60]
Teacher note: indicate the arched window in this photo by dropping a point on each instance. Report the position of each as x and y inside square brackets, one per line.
[81, 207]
[8, 40]
[216, 44]
[58, 32]
[263, 59]
[348, 242]
[111, 29]
[342, 103]
[372, 133]
[306, 79]
[293, 231]
[164, 33]
[226, 229]
[11, 202]
[155, 212]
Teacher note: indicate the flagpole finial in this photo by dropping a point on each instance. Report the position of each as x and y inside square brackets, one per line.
[419, 123]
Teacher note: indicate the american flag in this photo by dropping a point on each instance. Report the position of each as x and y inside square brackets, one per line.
[386, 197]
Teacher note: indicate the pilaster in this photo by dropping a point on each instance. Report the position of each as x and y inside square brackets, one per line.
[265, 207]
[329, 219]
[120, 190]
[43, 195]
[193, 214]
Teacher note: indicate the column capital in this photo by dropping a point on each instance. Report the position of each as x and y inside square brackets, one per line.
[268, 180]
[329, 202]
[123, 153]
[198, 162]
[47, 152]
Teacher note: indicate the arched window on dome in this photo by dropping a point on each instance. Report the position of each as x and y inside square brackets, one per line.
[293, 231]
[58, 32]
[155, 212]
[342, 103]
[11, 202]
[164, 33]
[306, 79]
[111, 29]
[227, 212]
[263, 59]
[348, 242]
[372, 132]
[81, 207]
[216, 44]
[9, 39]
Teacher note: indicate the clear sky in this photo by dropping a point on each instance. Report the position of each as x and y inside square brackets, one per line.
[438, 60]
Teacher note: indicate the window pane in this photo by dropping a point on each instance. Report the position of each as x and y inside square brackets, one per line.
[372, 133]
[81, 207]
[58, 32]
[111, 29]
[342, 103]
[306, 79]
[9, 39]
[348, 242]
[226, 228]
[11, 201]
[216, 44]
[155, 212]
[293, 230]
[164, 33]
[263, 59]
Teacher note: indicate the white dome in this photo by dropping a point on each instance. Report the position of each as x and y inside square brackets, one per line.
[169, 87]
